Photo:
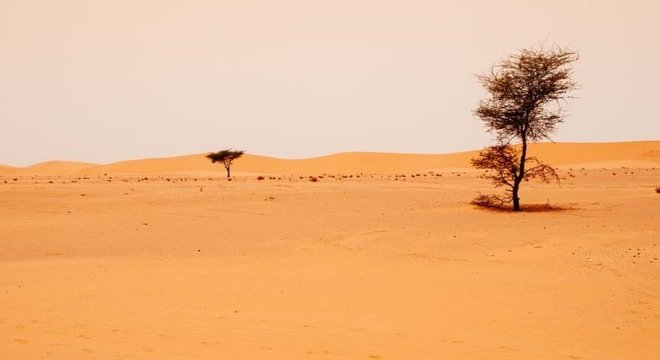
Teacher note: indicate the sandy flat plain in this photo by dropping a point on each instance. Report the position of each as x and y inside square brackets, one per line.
[164, 259]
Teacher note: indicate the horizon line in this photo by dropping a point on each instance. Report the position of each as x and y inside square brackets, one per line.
[312, 157]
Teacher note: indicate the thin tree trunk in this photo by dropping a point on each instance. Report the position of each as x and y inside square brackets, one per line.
[227, 165]
[521, 173]
[516, 199]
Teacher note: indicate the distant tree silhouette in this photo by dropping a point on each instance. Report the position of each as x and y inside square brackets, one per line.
[226, 157]
[526, 91]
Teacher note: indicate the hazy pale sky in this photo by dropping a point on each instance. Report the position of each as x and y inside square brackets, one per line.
[110, 80]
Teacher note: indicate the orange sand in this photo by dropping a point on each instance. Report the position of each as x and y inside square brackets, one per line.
[180, 266]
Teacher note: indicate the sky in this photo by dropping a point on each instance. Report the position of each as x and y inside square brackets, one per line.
[103, 81]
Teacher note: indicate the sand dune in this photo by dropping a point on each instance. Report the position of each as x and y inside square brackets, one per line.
[642, 153]
[8, 170]
[57, 167]
[356, 162]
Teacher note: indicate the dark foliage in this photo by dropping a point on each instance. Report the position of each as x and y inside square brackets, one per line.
[526, 91]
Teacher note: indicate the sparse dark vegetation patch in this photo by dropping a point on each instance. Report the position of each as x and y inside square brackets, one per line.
[490, 201]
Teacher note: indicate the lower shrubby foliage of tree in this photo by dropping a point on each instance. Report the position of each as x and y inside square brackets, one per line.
[503, 167]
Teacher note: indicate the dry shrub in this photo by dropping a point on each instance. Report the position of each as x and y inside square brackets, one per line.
[490, 201]
[657, 189]
[313, 179]
[500, 203]
[260, 177]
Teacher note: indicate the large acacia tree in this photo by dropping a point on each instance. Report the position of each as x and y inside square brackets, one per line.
[226, 157]
[524, 104]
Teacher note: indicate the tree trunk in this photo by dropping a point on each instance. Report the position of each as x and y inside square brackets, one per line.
[521, 172]
[516, 199]
[227, 164]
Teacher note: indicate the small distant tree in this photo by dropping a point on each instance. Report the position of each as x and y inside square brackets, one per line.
[526, 91]
[226, 157]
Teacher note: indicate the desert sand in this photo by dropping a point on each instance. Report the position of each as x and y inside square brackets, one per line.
[382, 258]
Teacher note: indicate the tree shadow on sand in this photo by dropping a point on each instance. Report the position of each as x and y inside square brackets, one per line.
[528, 208]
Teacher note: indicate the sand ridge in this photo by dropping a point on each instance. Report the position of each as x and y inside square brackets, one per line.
[631, 154]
